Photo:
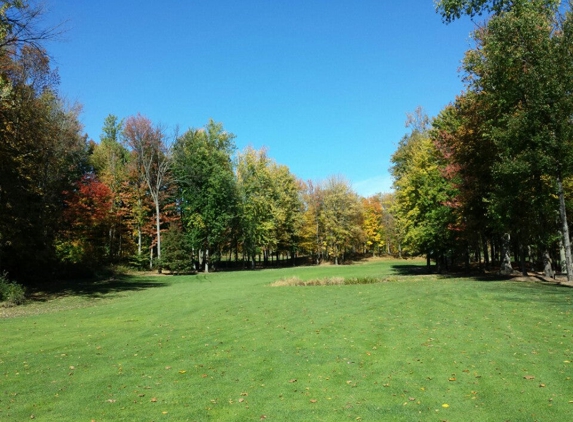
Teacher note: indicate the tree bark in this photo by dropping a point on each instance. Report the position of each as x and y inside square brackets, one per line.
[548, 269]
[506, 268]
[565, 225]
[562, 254]
[206, 260]
[158, 225]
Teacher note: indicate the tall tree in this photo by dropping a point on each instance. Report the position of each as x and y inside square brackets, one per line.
[255, 193]
[204, 172]
[109, 159]
[422, 194]
[522, 67]
[42, 154]
[373, 223]
[341, 217]
[148, 145]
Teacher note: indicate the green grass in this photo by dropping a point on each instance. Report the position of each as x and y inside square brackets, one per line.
[228, 346]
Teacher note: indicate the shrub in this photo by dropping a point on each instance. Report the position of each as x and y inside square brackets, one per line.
[11, 293]
[176, 251]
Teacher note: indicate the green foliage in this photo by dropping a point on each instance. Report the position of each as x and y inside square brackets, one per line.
[340, 217]
[177, 251]
[423, 195]
[203, 170]
[11, 293]
[269, 205]
[451, 10]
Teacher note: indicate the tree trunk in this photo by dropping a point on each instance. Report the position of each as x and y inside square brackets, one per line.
[206, 260]
[547, 268]
[562, 254]
[565, 225]
[139, 240]
[522, 260]
[506, 268]
[158, 225]
[485, 253]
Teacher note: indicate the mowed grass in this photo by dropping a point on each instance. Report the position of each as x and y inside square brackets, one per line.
[228, 347]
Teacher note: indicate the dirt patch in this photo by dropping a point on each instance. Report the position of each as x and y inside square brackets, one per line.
[560, 279]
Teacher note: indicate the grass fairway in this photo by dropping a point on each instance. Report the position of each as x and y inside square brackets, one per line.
[227, 347]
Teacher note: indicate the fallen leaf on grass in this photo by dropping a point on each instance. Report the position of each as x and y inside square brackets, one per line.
[411, 398]
[452, 379]
[182, 371]
[529, 377]
[168, 367]
[313, 400]
[542, 385]
[110, 400]
[293, 380]
[244, 394]
[204, 375]
[153, 400]
[445, 405]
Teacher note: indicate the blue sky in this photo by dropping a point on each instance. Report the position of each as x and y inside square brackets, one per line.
[324, 85]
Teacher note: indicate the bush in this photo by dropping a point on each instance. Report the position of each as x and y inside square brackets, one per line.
[176, 251]
[11, 293]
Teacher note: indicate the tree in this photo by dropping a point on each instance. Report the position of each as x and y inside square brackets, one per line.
[207, 190]
[255, 193]
[42, 154]
[88, 219]
[422, 195]
[458, 133]
[19, 26]
[286, 209]
[152, 158]
[312, 232]
[177, 250]
[522, 67]
[373, 225]
[341, 217]
[110, 162]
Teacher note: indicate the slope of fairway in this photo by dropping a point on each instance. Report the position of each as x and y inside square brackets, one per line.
[227, 346]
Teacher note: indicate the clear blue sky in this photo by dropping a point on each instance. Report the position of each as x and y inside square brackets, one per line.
[325, 85]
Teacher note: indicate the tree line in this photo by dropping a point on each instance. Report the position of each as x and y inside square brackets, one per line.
[149, 198]
[489, 180]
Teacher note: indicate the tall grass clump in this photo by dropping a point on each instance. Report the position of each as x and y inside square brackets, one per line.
[11, 293]
[295, 281]
[326, 281]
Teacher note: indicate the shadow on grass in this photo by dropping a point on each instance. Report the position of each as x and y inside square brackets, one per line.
[94, 288]
[529, 286]
[410, 269]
